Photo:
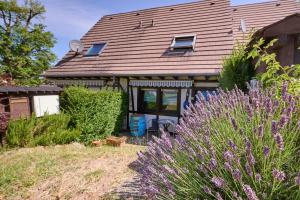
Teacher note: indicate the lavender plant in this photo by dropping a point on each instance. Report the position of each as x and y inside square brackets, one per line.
[233, 146]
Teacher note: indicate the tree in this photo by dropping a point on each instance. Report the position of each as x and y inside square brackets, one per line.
[25, 45]
[237, 69]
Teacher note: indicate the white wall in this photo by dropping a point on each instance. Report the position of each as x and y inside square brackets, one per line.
[134, 97]
[123, 83]
[183, 94]
[46, 104]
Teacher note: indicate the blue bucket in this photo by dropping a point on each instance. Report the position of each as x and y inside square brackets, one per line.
[137, 125]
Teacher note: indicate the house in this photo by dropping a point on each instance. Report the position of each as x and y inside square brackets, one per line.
[163, 56]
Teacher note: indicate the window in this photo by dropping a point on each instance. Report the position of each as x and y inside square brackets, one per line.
[96, 49]
[184, 42]
[169, 99]
[149, 99]
[159, 101]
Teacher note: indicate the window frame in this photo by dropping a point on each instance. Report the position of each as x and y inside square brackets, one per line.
[159, 101]
[101, 50]
[173, 47]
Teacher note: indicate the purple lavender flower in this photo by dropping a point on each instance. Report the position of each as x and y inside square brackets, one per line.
[283, 121]
[249, 111]
[248, 145]
[235, 195]
[258, 177]
[234, 124]
[284, 91]
[218, 196]
[218, 182]
[279, 141]
[169, 170]
[213, 164]
[248, 169]
[279, 175]
[232, 145]
[297, 179]
[274, 127]
[260, 131]
[227, 166]
[251, 159]
[207, 190]
[269, 106]
[251, 195]
[266, 151]
[228, 156]
[237, 175]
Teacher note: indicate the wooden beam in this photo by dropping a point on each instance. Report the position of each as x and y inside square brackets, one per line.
[191, 77]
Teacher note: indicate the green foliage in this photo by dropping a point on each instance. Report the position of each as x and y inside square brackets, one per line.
[47, 130]
[96, 113]
[25, 45]
[275, 73]
[237, 69]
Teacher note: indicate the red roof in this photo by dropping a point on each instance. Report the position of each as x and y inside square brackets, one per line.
[134, 51]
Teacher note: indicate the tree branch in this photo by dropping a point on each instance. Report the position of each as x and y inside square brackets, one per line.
[4, 18]
[30, 16]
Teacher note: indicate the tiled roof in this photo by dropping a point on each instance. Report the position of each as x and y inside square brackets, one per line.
[140, 51]
[259, 15]
[133, 51]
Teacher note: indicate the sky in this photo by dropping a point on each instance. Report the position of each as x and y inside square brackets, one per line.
[71, 19]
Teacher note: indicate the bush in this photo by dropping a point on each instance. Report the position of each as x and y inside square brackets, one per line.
[275, 74]
[235, 146]
[47, 130]
[237, 69]
[96, 113]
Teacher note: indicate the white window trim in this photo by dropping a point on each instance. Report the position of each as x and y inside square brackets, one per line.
[182, 36]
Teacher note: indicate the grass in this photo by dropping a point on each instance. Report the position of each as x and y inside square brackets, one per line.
[63, 171]
[94, 175]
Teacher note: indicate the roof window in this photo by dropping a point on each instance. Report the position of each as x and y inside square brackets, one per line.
[96, 49]
[184, 42]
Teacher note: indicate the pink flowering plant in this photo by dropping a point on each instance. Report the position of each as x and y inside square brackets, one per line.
[233, 146]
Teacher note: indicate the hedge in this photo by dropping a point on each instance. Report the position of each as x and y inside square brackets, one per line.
[97, 114]
[47, 130]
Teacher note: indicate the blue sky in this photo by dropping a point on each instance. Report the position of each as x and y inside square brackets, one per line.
[70, 19]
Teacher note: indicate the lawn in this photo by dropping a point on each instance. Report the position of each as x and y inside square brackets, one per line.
[65, 171]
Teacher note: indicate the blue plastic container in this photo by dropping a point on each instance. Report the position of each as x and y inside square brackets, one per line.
[137, 125]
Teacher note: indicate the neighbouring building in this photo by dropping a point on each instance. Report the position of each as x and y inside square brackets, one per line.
[163, 56]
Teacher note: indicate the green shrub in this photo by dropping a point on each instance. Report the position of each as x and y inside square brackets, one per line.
[275, 74]
[47, 130]
[237, 69]
[96, 113]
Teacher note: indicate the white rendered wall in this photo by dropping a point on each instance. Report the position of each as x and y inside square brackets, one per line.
[46, 104]
[183, 94]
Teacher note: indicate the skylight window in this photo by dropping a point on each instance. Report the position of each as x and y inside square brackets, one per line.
[96, 49]
[184, 42]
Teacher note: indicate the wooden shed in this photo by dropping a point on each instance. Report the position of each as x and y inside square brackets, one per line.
[19, 101]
